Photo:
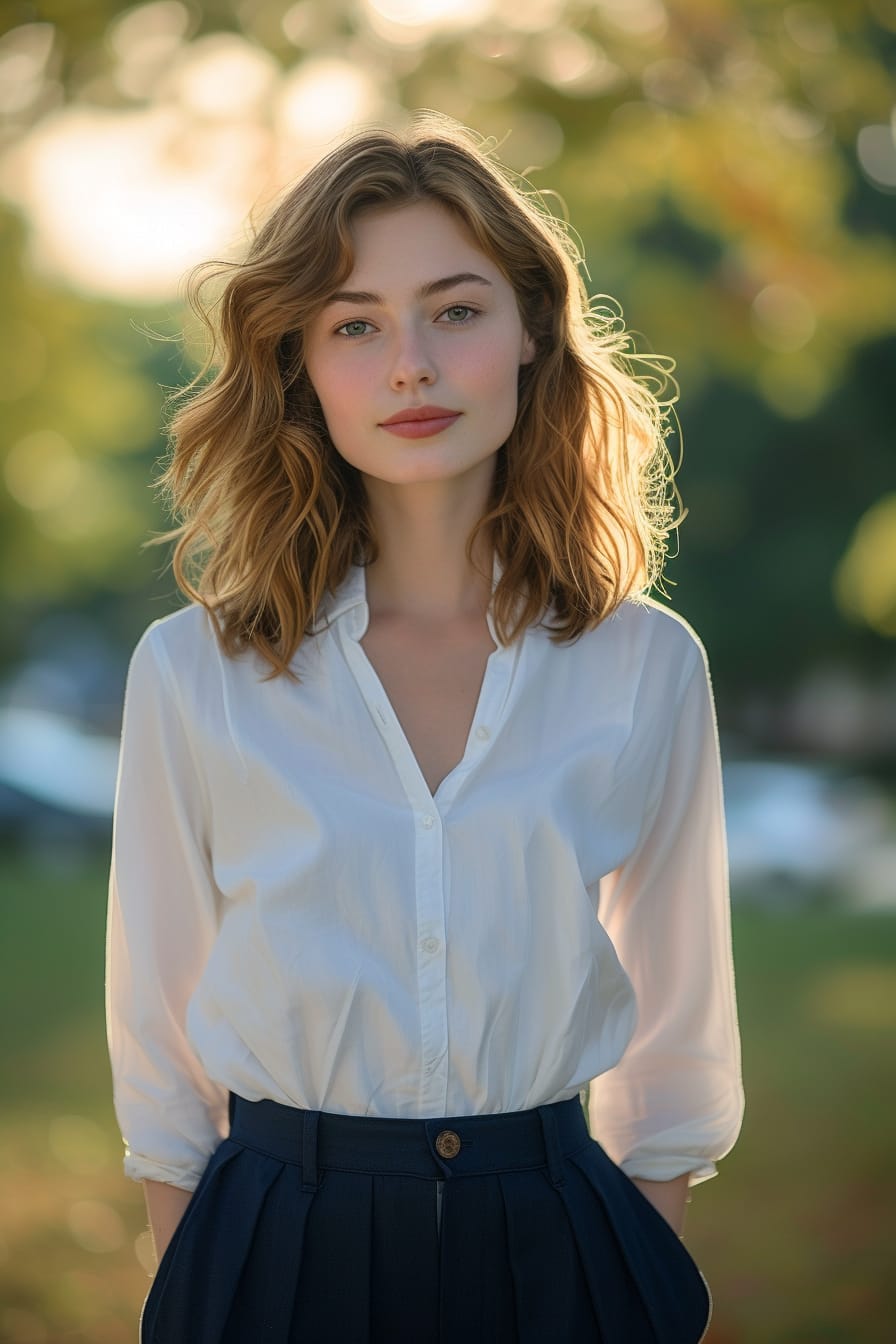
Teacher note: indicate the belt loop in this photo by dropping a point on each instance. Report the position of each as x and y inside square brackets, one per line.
[552, 1144]
[309, 1149]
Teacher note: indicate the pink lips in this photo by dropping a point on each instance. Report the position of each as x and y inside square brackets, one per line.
[420, 422]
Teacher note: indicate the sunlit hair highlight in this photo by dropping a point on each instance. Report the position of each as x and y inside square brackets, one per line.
[271, 516]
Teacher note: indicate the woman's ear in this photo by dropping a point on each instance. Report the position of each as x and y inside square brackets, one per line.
[541, 320]
[527, 353]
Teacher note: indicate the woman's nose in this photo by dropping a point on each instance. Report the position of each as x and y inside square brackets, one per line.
[412, 361]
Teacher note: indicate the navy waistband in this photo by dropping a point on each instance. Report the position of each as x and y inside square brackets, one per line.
[437, 1149]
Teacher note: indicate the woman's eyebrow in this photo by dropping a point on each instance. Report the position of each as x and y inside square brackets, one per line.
[424, 292]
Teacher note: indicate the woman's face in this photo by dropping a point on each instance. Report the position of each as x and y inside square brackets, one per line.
[424, 321]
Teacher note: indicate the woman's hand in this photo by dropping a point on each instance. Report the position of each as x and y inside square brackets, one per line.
[166, 1205]
[668, 1198]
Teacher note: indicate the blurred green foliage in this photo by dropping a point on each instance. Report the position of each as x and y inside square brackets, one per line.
[726, 166]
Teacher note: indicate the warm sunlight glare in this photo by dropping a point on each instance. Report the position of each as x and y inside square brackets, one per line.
[223, 77]
[406, 22]
[322, 97]
[118, 203]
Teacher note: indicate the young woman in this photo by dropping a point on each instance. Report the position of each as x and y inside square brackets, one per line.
[418, 827]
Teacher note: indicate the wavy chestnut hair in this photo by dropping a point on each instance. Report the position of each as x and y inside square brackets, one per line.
[271, 516]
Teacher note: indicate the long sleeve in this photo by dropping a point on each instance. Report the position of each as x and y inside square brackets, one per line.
[162, 920]
[674, 1103]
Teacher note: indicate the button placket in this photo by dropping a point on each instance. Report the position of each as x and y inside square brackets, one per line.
[492, 700]
[428, 811]
[431, 967]
[428, 872]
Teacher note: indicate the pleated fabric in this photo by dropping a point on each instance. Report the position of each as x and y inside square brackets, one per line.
[316, 1228]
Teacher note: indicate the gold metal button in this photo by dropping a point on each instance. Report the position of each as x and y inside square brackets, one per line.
[447, 1144]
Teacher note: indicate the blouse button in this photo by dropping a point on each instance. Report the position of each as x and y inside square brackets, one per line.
[430, 944]
[427, 821]
[482, 734]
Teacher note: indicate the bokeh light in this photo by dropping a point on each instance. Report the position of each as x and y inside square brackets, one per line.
[876, 149]
[41, 470]
[810, 27]
[576, 64]
[122, 201]
[24, 56]
[410, 22]
[865, 580]
[322, 97]
[96, 1226]
[220, 77]
[145, 40]
[783, 318]
[640, 18]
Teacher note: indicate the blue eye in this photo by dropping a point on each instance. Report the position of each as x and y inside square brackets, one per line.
[346, 327]
[464, 309]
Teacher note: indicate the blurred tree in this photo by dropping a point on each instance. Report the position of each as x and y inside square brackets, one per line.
[730, 168]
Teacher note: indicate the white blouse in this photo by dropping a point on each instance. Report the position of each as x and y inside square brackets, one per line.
[292, 913]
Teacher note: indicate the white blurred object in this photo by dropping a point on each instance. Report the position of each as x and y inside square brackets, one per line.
[807, 825]
[50, 759]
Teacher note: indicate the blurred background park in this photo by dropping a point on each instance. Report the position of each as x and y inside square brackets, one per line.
[730, 166]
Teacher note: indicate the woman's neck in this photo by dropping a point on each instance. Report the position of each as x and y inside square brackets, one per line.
[422, 573]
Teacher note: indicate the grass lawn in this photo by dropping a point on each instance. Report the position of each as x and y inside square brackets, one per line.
[795, 1234]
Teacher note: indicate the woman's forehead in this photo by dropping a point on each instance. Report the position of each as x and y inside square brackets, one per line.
[417, 242]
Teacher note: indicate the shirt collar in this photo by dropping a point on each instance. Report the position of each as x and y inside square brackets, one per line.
[352, 592]
[351, 595]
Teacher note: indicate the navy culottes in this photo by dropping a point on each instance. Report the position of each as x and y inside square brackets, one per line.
[309, 1227]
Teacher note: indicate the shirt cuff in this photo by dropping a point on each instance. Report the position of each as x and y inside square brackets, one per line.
[667, 1167]
[139, 1168]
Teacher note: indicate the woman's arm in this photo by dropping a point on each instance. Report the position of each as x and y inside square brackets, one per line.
[161, 926]
[668, 1197]
[165, 1205]
[674, 1102]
